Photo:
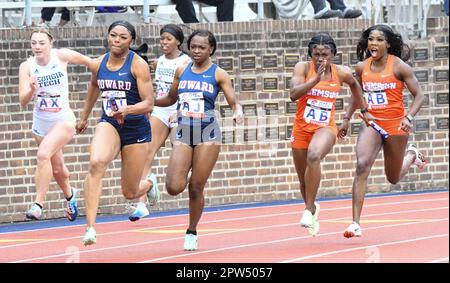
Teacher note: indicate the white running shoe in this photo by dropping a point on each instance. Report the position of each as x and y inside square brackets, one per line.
[190, 242]
[420, 160]
[140, 211]
[315, 227]
[90, 237]
[353, 230]
[307, 219]
[316, 214]
[35, 212]
[153, 194]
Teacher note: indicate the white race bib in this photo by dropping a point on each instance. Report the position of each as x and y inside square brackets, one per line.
[376, 99]
[192, 104]
[162, 89]
[317, 112]
[48, 102]
[119, 95]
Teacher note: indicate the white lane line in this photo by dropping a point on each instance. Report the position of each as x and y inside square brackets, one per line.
[218, 221]
[227, 232]
[256, 208]
[362, 248]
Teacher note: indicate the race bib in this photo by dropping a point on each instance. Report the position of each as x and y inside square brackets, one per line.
[48, 102]
[162, 89]
[318, 112]
[192, 104]
[376, 99]
[120, 96]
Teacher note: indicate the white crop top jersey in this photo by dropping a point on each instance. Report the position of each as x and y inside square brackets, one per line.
[52, 95]
[164, 74]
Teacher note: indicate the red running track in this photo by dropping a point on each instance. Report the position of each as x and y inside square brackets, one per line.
[396, 228]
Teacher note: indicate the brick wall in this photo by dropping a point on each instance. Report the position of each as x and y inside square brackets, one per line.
[255, 164]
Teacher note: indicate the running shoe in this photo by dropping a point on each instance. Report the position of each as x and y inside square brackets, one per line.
[190, 242]
[72, 210]
[307, 219]
[153, 194]
[35, 212]
[140, 211]
[420, 161]
[353, 230]
[90, 237]
[315, 227]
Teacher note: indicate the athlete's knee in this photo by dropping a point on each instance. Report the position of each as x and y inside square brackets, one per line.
[43, 155]
[313, 156]
[97, 165]
[393, 179]
[362, 167]
[130, 194]
[175, 187]
[195, 191]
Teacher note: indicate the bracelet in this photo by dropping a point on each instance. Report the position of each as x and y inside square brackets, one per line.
[364, 110]
[346, 118]
[410, 118]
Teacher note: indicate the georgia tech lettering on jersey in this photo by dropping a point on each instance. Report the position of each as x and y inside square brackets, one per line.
[114, 84]
[197, 85]
[166, 74]
[164, 79]
[48, 80]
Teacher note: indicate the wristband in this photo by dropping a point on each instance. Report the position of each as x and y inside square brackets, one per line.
[410, 118]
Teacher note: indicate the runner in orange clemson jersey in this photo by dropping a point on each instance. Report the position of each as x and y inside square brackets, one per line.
[383, 75]
[315, 86]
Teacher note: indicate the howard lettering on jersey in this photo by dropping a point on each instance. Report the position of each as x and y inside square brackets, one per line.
[114, 84]
[49, 80]
[377, 86]
[323, 93]
[196, 85]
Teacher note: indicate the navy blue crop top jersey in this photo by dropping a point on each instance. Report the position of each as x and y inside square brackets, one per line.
[123, 87]
[197, 93]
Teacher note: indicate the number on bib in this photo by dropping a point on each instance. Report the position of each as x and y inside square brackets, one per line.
[192, 104]
[318, 112]
[48, 102]
[376, 99]
[120, 97]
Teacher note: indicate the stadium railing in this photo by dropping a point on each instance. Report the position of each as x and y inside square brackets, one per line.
[89, 6]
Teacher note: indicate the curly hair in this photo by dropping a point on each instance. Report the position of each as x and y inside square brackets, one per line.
[397, 46]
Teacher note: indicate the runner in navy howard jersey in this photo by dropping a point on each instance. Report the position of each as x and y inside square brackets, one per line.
[125, 76]
[163, 120]
[197, 144]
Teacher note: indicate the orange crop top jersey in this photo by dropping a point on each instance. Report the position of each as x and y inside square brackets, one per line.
[383, 91]
[316, 109]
